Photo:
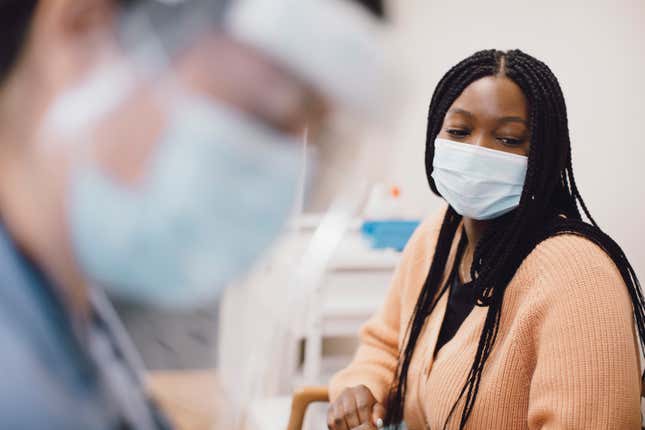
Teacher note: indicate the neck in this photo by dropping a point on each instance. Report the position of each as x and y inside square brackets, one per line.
[32, 190]
[474, 230]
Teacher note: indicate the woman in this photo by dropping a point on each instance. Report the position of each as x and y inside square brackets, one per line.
[509, 311]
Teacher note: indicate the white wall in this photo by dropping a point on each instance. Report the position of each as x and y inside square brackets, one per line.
[597, 51]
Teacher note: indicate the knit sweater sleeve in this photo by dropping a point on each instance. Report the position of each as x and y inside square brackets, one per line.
[375, 362]
[586, 369]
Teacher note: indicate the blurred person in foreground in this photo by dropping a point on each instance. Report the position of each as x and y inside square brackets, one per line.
[142, 195]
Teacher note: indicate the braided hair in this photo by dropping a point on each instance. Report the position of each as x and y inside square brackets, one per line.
[549, 206]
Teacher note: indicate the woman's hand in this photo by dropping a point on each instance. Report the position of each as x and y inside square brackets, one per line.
[356, 406]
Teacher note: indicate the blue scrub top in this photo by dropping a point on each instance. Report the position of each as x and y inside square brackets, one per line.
[56, 374]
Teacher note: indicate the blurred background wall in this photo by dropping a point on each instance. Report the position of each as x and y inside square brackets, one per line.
[597, 51]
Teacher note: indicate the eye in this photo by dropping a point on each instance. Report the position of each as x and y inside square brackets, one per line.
[459, 133]
[510, 141]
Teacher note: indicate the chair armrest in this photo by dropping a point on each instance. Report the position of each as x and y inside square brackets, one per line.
[301, 399]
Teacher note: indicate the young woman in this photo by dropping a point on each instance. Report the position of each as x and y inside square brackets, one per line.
[508, 311]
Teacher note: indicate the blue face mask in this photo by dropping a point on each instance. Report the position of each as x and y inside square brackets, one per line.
[478, 183]
[215, 194]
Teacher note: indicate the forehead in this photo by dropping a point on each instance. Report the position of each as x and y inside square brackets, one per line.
[494, 97]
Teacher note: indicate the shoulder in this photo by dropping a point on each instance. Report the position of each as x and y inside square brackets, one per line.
[418, 252]
[417, 255]
[30, 398]
[572, 268]
[570, 255]
[425, 236]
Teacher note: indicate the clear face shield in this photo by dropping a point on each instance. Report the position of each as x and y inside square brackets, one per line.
[189, 158]
[180, 176]
[347, 54]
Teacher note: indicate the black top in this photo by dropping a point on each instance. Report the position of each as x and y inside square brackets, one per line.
[461, 301]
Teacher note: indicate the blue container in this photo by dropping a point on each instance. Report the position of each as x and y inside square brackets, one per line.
[388, 234]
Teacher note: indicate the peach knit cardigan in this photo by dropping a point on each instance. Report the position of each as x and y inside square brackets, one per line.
[566, 356]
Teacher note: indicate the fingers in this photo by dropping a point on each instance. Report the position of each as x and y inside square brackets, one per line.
[364, 402]
[336, 417]
[330, 417]
[378, 415]
[352, 409]
[366, 426]
[351, 413]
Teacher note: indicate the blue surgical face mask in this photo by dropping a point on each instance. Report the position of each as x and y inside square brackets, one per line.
[215, 194]
[478, 183]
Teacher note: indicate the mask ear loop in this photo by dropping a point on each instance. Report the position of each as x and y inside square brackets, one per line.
[301, 190]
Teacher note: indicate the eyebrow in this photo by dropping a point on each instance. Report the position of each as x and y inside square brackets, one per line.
[513, 119]
[461, 111]
[503, 119]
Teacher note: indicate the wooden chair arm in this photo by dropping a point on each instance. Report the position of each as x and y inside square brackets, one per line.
[301, 399]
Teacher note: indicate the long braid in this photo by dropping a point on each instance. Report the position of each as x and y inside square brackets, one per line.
[449, 88]
[424, 306]
[496, 250]
[550, 190]
[493, 255]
